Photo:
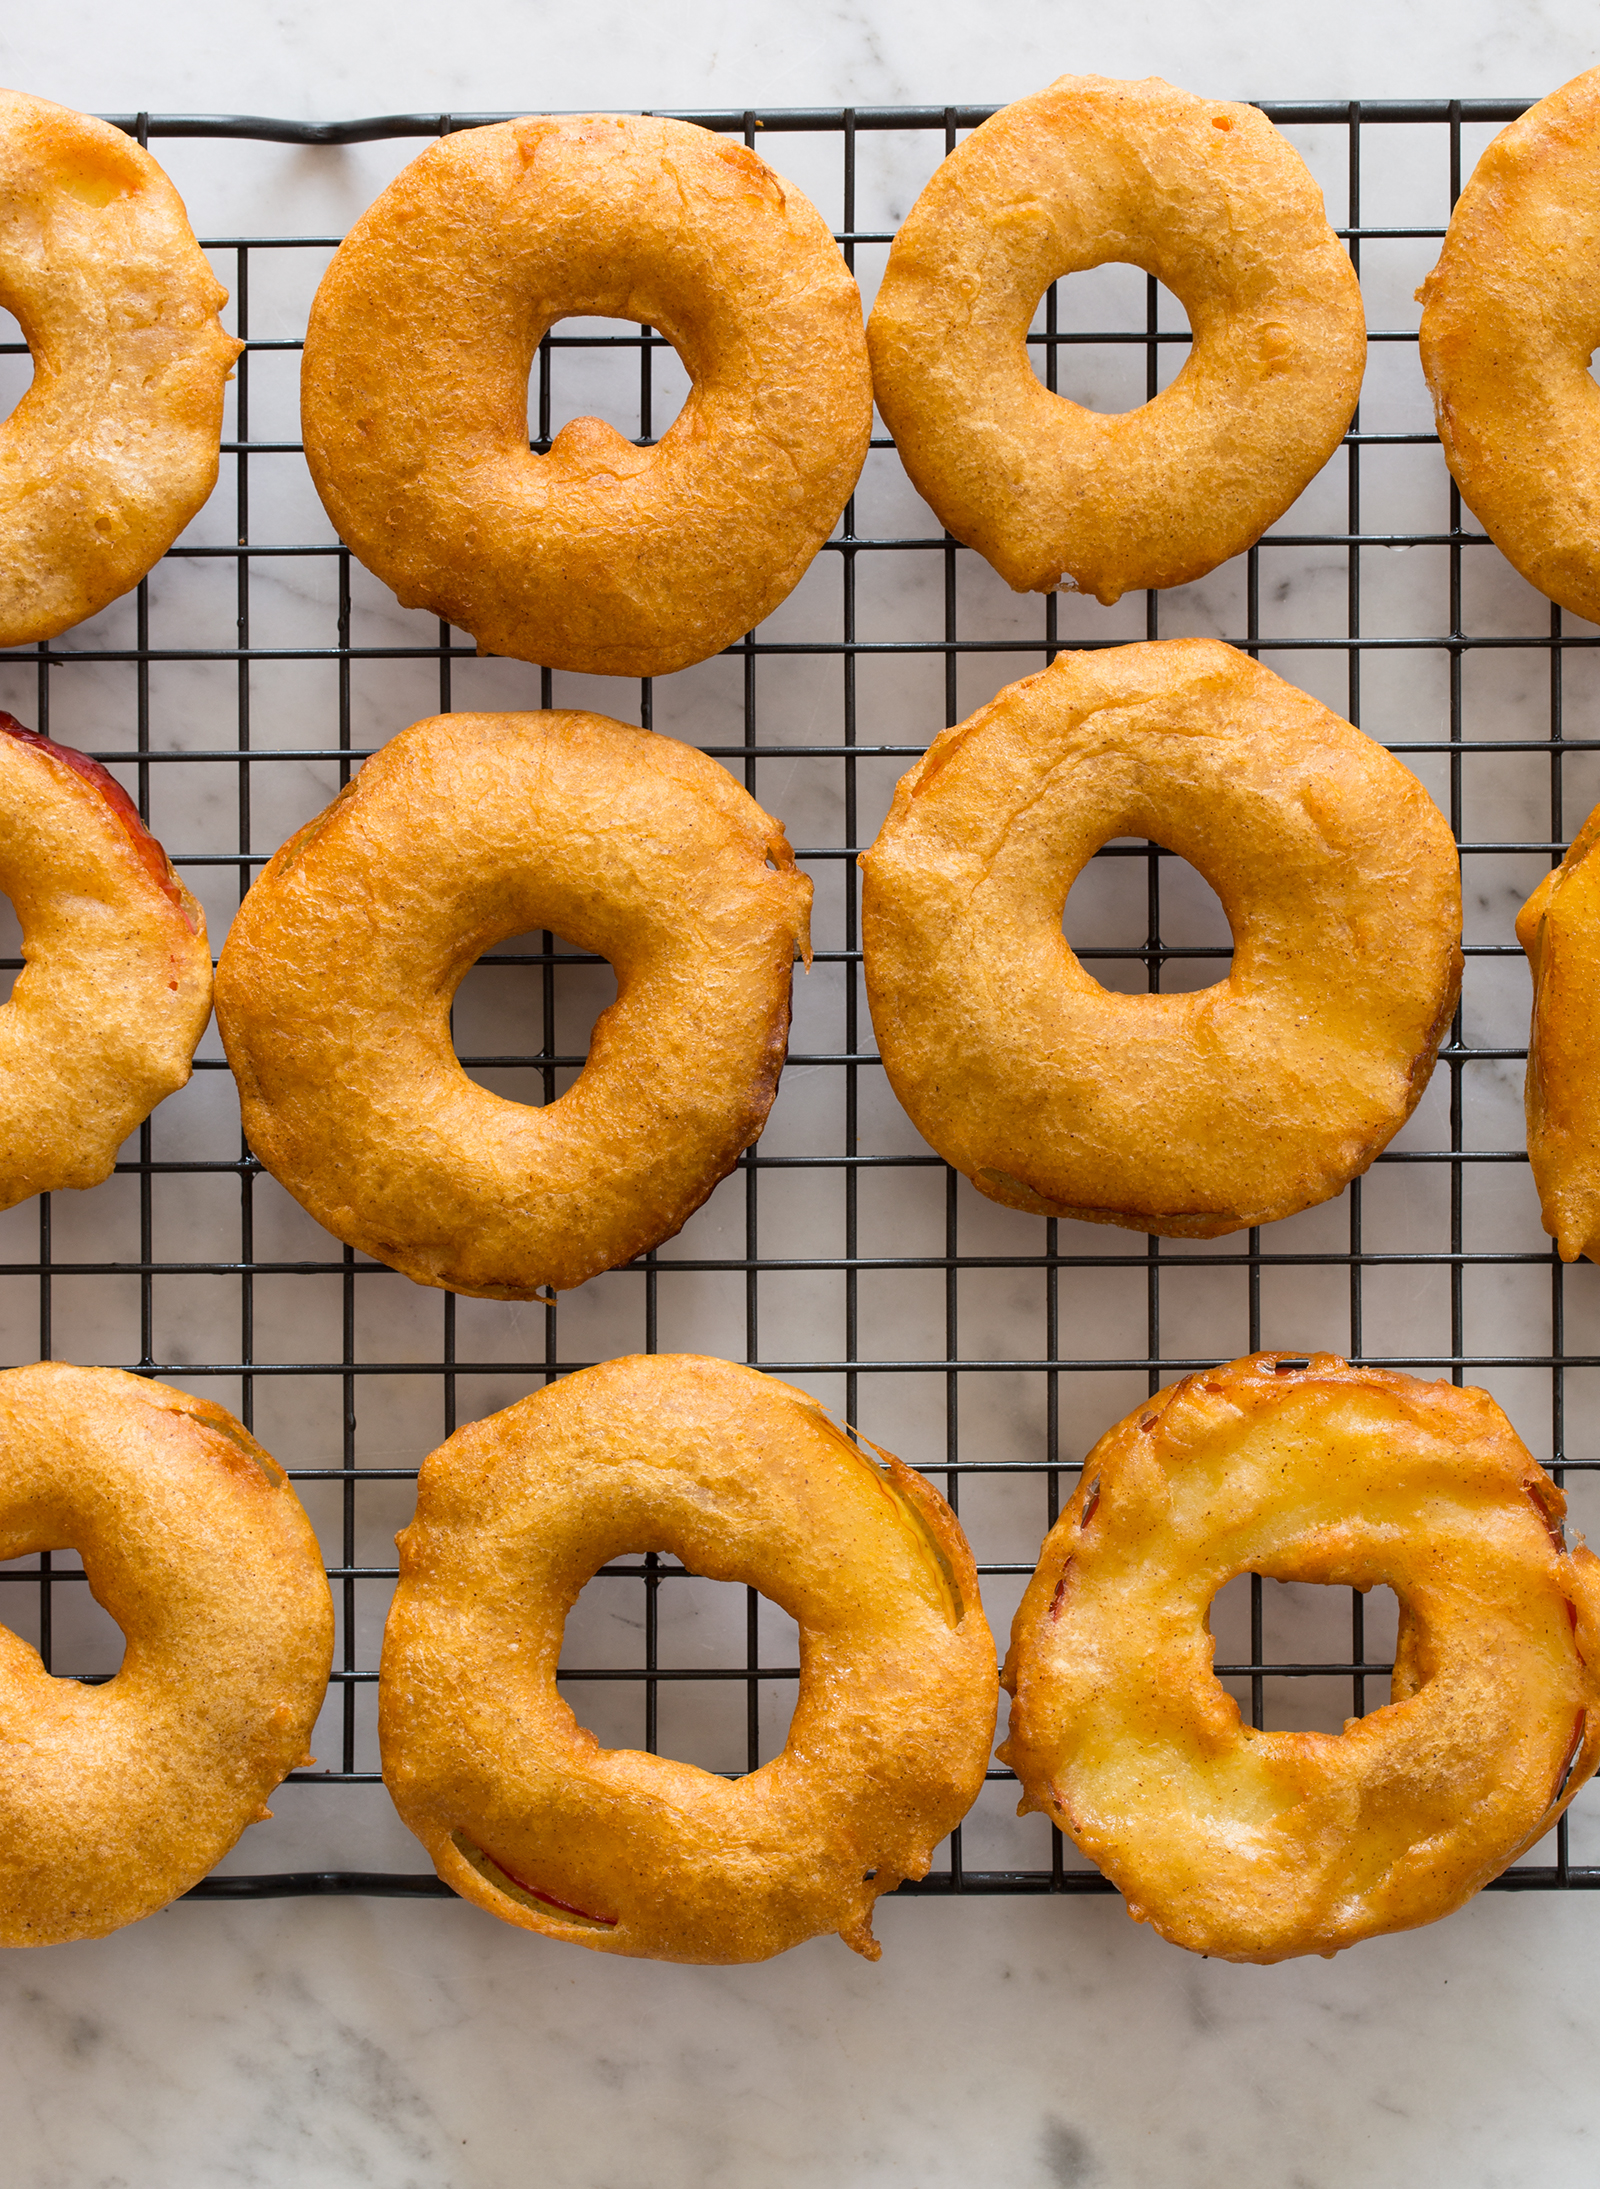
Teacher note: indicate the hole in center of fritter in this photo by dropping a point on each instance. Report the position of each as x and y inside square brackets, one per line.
[16, 366]
[1325, 1652]
[45, 1601]
[629, 377]
[1120, 337]
[720, 1661]
[10, 948]
[1141, 920]
[524, 1015]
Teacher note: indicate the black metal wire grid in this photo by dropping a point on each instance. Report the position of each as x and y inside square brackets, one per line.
[1023, 1339]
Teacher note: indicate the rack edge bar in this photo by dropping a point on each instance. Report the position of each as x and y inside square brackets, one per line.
[370, 129]
[975, 1884]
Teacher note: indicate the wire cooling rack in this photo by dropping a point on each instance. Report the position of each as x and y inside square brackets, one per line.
[987, 1347]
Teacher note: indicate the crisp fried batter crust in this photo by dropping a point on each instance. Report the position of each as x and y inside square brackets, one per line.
[1210, 199]
[114, 447]
[742, 1479]
[334, 990]
[599, 556]
[115, 989]
[1559, 928]
[1255, 1846]
[116, 1798]
[1185, 1114]
[1511, 316]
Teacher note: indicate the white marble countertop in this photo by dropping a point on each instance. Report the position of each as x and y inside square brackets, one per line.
[305, 59]
[1019, 2042]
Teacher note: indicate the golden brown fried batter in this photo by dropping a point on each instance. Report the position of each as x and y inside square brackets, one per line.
[742, 1479]
[1559, 928]
[1192, 1114]
[116, 1798]
[1511, 316]
[114, 447]
[600, 556]
[115, 989]
[1251, 1845]
[1210, 199]
[334, 991]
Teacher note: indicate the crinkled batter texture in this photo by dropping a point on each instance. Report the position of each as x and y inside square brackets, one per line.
[334, 992]
[599, 556]
[1206, 196]
[742, 1479]
[1255, 1846]
[114, 447]
[1559, 928]
[115, 987]
[1195, 1114]
[116, 1798]
[1511, 317]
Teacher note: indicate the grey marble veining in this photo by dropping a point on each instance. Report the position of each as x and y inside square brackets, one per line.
[306, 60]
[1041, 2045]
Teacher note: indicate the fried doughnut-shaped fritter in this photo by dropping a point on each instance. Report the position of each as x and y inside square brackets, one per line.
[115, 987]
[1254, 1846]
[599, 556]
[1559, 928]
[114, 447]
[1510, 319]
[1205, 195]
[334, 991]
[742, 1479]
[115, 1798]
[1189, 1115]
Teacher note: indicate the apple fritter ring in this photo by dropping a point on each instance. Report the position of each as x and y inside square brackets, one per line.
[335, 985]
[742, 1479]
[1211, 200]
[117, 1797]
[115, 987]
[114, 447]
[1192, 1114]
[1559, 928]
[1511, 316]
[601, 556]
[1254, 1846]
